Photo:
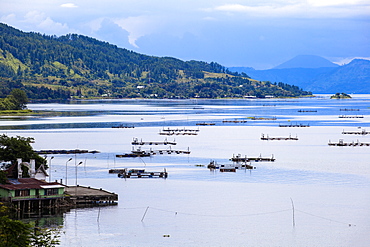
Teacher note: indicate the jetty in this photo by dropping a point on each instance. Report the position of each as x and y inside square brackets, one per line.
[180, 130]
[294, 125]
[349, 109]
[234, 121]
[141, 173]
[262, 118]
[165, 142]
[228, 167]
[72, 151]
[341, 143]
[239, 158]
[173, 131]
[134, 154]
[83, 196]
[147, 153]
[121, 126]
[307, 110]
[351, 116]
[205, 124]
[361, 132]
[267, 138]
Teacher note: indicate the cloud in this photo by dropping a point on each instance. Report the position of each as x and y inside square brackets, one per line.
[298, 9]
[139, 26]
[68, 5]
[38, 22]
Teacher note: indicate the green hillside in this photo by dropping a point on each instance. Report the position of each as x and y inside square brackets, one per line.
[50, 67]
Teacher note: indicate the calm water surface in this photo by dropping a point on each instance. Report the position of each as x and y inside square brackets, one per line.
[329, 186]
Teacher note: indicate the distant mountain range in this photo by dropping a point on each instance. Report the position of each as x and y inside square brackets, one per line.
[51, 67]
[316, 74]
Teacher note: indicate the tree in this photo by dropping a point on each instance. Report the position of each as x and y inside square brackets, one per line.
[12, 148]
[15, 233]
[20, 97]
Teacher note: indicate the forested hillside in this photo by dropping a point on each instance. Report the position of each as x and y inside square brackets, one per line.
[50, 67]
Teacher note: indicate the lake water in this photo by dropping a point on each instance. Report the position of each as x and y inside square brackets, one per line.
[329, 186]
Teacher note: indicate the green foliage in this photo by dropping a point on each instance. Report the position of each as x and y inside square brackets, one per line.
[79, 66]
[17, 100]
[15, 233]
[12, 148]
[341, 96]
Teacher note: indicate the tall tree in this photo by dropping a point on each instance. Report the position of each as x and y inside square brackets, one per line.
[12, 148]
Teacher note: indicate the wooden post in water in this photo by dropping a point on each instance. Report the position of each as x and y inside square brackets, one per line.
[145, 213]
[293, 211]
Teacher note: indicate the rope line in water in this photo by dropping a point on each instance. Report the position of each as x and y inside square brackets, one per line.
[240, 215]
[219, 215]
[324, 218]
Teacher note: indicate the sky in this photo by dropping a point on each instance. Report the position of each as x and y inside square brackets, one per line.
[234, 33]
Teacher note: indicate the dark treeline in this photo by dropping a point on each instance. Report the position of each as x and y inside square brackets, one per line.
[57, 67]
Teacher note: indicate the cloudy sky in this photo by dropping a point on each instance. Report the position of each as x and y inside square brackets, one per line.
[250, 33]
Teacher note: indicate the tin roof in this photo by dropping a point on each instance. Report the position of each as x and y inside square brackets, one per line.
[26, 183]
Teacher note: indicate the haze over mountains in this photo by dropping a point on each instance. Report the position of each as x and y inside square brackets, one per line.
[317, 74]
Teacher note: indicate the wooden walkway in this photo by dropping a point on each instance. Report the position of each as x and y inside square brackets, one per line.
[140, 173]
[165, 142]
[239, 158]
[341, 143]
[267, 138]
[81, 195]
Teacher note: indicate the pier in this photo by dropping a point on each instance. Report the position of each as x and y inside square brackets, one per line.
[307, 111]
[184, 131]
[262, 118]
[180, 130]
[267, 138]
[141, 173]
[142, 153]
[341, 143]
[350, 116]
[121, 126]
[165, 142]
[81, 195]
[72, 151]
[294, 125]
[349, 109]
[205, 124]
[234, 121]
[239, 158]
[228, 167]
[362, 132]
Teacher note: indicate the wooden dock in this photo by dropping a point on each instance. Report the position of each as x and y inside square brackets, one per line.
[341, 143]
[262, 118]
[307, 110]
[351, 116]
[141, 173]
[141, 142]
[81, 195]
[361, 132]
[239, 158]
[294, 125]
[177, 131]
[180, 130]
[205, 124]
[121, 126]
[349, 109]
[228, 167]
[147, 153]
[267, 138]
[72, 151]
[235, 121]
